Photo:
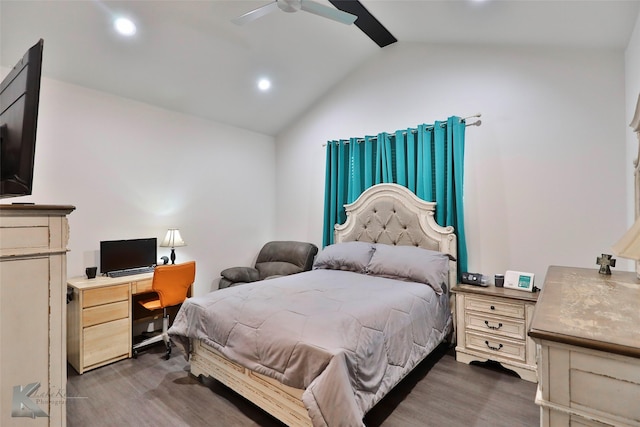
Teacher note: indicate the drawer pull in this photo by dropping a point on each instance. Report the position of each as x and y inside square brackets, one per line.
[498, 348]
[486, 322]
[492, 308]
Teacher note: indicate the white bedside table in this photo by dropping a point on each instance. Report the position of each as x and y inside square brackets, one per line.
[492, 324]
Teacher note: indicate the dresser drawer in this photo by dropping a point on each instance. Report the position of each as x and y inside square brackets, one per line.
[577, 421]
[503, 326]
[496, 346]
[495, 306]
[617, 382]
[105, 313]
[105, 295]
[24, 233]
[106, 341]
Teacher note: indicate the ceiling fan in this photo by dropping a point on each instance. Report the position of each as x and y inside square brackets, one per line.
[294, 6]
[346, 12]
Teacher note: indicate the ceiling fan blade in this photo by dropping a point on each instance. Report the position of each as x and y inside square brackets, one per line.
[254, 14]
[327, 12]
[366, 21]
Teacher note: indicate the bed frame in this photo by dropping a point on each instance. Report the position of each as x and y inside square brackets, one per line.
[384, 213]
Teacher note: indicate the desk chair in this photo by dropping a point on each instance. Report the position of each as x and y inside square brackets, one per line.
[170, 283]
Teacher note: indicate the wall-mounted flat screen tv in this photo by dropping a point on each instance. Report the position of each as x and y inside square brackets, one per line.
[19, 99]
[120, 255]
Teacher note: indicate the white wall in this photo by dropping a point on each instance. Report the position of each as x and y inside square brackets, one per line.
[632, 92]
[545, 173]
[133, 170]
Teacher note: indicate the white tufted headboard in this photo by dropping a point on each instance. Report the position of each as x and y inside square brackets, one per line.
[391, 214]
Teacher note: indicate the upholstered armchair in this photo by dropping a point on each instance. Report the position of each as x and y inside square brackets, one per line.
[278, 258]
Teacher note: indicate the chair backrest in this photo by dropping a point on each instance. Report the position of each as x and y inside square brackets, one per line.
[280, 258]
[171, 282]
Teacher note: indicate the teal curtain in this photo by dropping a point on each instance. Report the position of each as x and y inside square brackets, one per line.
[428, 160]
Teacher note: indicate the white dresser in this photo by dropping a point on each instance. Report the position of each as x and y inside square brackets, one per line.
[588, 329]
[33, 269]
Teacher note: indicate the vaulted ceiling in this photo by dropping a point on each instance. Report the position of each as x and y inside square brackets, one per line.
[188, 56]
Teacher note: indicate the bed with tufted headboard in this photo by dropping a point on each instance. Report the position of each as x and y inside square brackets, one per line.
[323, 347]
[392, 215]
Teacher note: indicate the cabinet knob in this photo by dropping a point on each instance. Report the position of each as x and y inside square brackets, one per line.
[493, 308]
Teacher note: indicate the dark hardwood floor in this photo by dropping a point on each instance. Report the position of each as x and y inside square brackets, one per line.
[152, 391]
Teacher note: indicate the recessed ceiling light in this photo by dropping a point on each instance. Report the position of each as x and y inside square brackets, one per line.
[264, 84]
[125, 26]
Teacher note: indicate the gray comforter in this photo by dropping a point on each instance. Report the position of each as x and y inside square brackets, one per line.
[345, 338]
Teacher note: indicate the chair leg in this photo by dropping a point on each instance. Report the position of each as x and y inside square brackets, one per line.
[165, 334]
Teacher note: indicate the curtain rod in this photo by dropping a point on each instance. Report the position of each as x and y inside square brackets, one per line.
[476, 123]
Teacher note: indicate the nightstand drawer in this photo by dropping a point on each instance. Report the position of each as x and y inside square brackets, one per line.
[503, 326]
[105, 313]
[105, 295]
[493, 345]
[495, 306]
[106, 341]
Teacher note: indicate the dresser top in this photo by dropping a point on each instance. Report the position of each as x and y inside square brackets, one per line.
[33, 209]
[494, 291]
[579, 306]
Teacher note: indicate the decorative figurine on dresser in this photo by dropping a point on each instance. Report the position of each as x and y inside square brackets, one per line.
[492, 325]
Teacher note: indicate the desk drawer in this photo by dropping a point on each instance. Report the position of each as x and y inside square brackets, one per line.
[105, 313]
[494, 306]
[106, 341]
[497, 325]
[105, 295]
[496, 346]
[141, 287]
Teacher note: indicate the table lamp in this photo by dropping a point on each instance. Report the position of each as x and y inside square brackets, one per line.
[172, 240]
[629, 245]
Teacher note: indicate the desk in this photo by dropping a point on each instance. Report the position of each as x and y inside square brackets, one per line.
[100, 320]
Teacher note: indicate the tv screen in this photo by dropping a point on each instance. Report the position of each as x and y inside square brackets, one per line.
[19, 98]
[118, 255]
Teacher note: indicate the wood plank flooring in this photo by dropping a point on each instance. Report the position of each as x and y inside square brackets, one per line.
[152, 391]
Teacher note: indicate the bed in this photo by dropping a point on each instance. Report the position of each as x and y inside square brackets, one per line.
[321, 348]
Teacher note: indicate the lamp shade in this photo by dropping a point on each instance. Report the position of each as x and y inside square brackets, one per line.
[629, 245]
[172, 239]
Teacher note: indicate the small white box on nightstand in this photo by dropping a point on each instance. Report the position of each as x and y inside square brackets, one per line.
[518, 280]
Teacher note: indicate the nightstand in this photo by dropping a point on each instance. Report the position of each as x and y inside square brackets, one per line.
[492, 324]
